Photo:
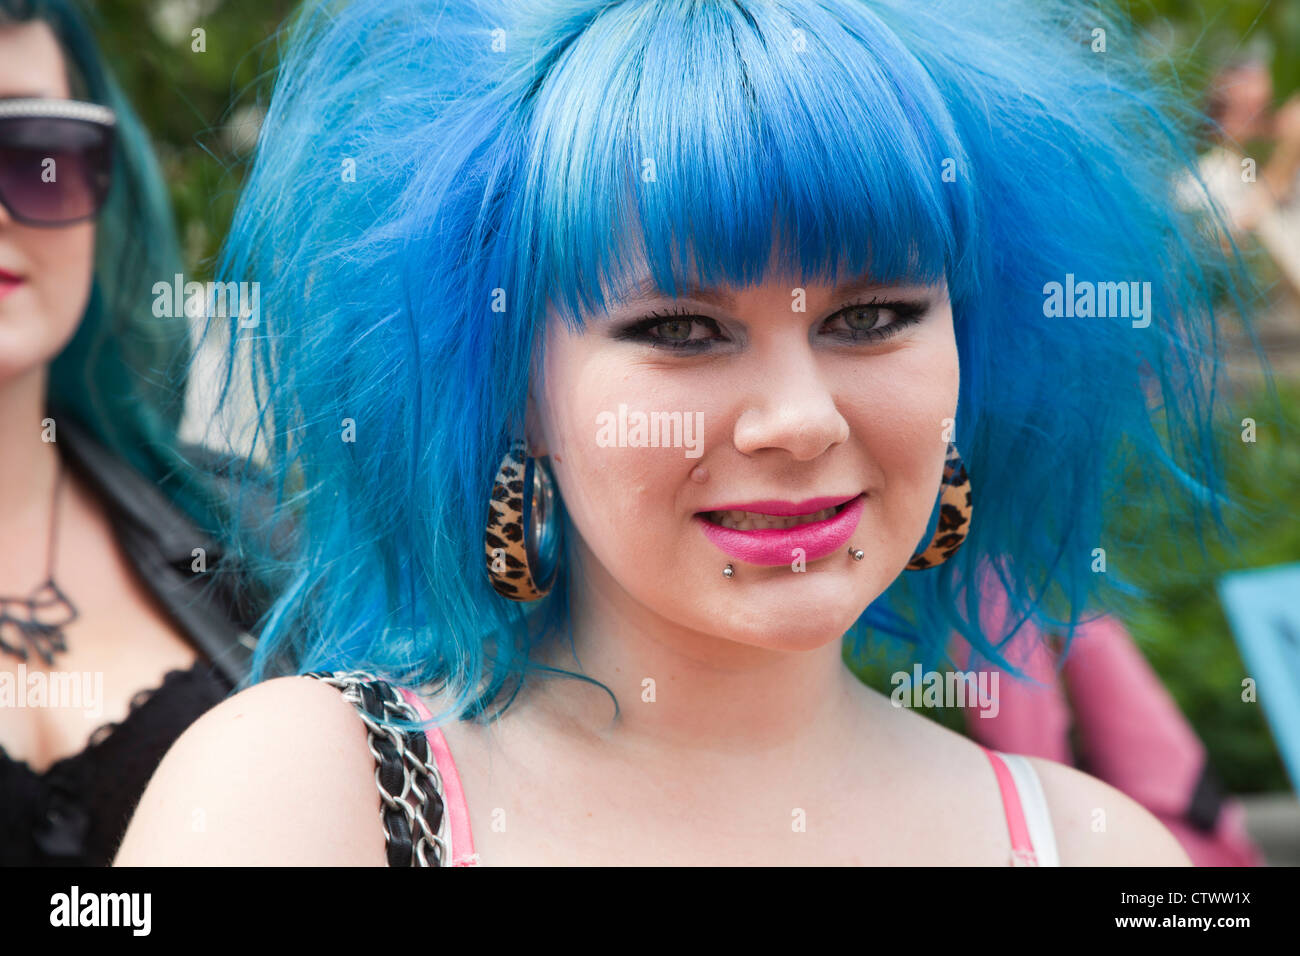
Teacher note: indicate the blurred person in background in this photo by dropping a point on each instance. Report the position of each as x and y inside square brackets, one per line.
[107, 583]
[1258, 200]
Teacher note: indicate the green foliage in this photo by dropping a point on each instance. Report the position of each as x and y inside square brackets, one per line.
[1198, 36]
[1181, 626]
[187, 99]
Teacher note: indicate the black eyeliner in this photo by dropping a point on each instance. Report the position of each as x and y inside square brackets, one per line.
[908, 314]
[638, 331]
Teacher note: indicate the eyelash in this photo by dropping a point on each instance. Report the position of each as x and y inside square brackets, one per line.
[906, 314]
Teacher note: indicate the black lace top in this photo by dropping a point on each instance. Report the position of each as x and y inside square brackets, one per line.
[76, 812]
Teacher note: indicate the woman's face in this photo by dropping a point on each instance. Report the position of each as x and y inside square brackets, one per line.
[45, 274]
[1248, 96]
[796, 397]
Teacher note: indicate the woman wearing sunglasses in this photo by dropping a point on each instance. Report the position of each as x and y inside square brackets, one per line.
[622, 362]
[111, 640]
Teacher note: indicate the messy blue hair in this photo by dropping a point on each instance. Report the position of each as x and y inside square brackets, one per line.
[423, 159]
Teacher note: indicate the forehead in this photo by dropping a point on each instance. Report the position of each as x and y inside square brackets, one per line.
[31, 63]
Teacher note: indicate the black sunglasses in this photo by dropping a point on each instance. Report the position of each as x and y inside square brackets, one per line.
[56, 160]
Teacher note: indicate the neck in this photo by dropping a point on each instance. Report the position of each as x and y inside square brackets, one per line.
[712, 696]
[28, 467]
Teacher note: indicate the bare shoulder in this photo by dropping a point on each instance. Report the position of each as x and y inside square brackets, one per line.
[278, 774]
[1097, 825]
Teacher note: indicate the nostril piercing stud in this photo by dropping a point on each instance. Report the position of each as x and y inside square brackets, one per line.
[728, 571]
[857, 553]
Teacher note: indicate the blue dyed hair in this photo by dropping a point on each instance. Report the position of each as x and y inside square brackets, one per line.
[499, 146]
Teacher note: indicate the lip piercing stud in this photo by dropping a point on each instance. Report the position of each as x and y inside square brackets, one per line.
[728, 571]
[857, 553]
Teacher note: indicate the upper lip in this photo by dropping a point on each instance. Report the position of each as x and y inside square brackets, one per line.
[771, 506]
[7, 276]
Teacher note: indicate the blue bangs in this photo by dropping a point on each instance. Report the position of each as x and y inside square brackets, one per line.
[711, 140]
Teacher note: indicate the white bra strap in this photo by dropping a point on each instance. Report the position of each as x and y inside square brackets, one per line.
[1034, 804]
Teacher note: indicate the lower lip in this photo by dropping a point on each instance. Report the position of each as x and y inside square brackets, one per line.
[9, 285]
[769, 547]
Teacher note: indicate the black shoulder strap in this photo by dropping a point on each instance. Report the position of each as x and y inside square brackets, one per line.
[411, 808]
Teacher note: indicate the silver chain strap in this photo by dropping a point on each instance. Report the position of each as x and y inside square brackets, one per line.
[419, 779]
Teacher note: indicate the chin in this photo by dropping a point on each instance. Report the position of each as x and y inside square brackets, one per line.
[803, 621]
[26, 345]
[17, 357]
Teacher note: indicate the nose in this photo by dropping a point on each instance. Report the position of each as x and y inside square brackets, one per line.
[792, 409]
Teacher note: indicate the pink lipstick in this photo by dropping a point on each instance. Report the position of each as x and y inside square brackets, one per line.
[769, 547]
[8, 282]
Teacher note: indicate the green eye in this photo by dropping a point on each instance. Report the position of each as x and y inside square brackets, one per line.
[675, 330]
[871, 322]
[862, 318]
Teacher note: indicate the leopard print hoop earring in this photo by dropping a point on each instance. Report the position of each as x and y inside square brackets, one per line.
[522, 540]
[954, 515]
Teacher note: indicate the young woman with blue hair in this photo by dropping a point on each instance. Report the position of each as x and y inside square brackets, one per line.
[622, 361]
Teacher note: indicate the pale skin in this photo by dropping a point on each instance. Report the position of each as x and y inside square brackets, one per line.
[755, 721]
[120, 633]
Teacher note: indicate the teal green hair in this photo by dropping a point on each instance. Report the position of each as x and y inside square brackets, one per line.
[122, 375]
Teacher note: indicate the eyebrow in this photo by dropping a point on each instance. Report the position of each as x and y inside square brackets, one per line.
[646, 289]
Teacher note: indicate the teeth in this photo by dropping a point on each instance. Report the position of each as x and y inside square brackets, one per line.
[754, 521]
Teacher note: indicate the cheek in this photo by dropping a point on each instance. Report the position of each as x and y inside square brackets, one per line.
[64, 264]
[609, 485]
[902, 422]
[39, 320]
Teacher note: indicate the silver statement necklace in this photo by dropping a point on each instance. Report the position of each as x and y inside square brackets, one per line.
[36, 622]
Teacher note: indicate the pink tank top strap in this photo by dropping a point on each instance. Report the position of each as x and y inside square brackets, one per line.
[1022, 847]
[462, 841]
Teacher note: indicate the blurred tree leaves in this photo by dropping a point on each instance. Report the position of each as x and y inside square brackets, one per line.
[189, 99]
[1198, 36]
